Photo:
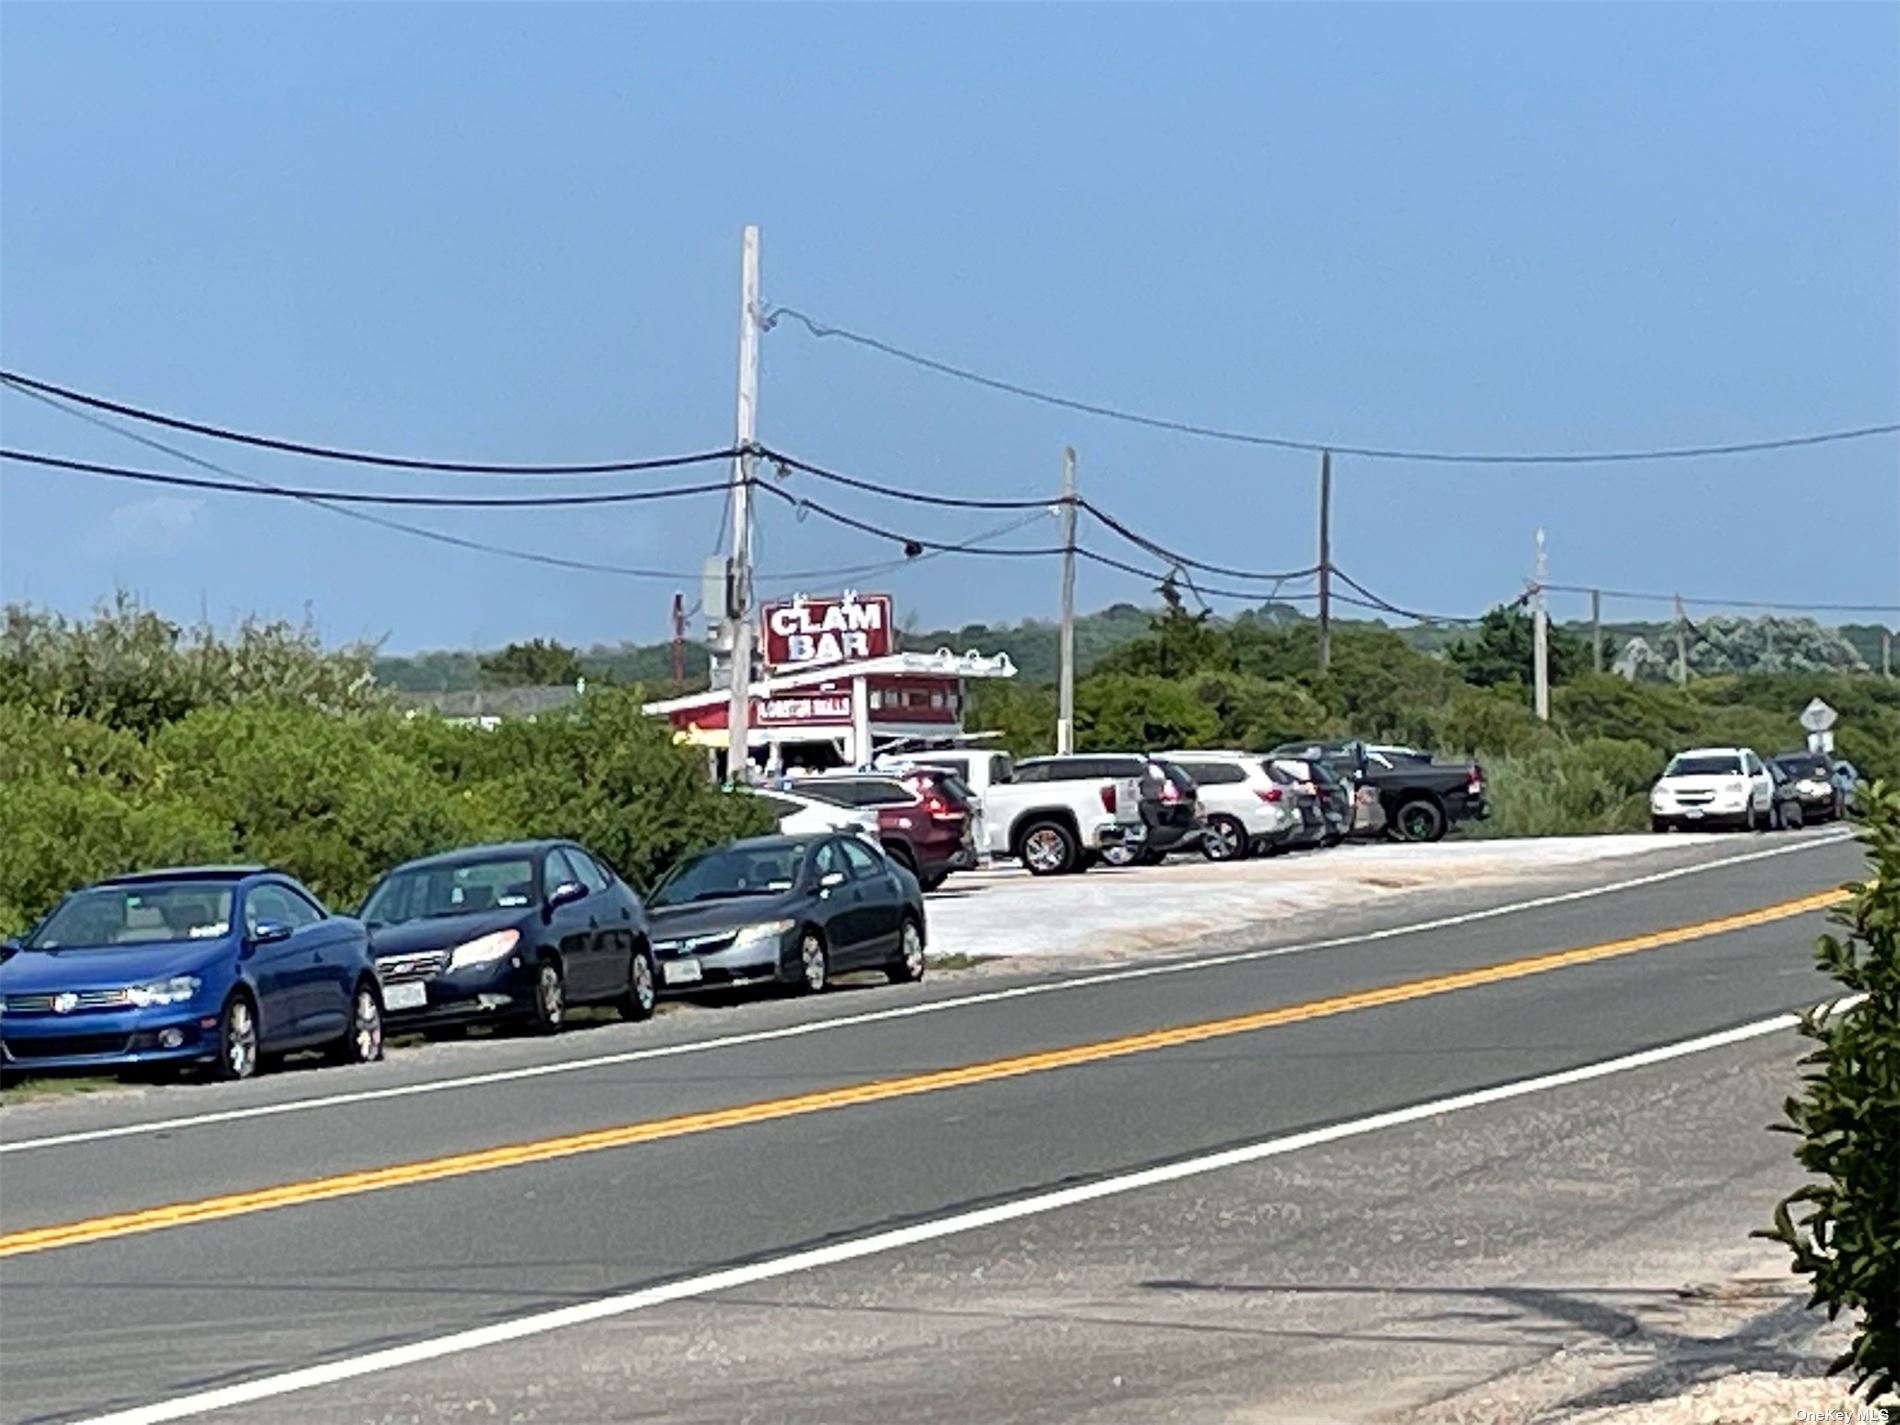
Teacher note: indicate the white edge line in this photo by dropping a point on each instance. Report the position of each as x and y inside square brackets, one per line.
[540, 1323]
[879, 1016]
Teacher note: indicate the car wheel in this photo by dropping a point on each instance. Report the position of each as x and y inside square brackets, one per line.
[1121, 854]
[643, 991]
[1226, 840]
[550, 998]
[237, 1038]
[1420, 820]
[1049, 849]
[814, 964]
[362, 1042]
[908, 967]
[931, 883]
[902, 855]
[1152, 857]
[1660, 824]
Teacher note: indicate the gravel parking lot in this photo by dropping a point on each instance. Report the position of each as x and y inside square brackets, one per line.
[1107, 914]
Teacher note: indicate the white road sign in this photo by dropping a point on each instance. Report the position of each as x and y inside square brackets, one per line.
[1817, 716]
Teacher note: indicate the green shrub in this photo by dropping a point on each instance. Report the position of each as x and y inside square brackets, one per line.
[1121, 712]
[1557, 790]
[1843, 1229]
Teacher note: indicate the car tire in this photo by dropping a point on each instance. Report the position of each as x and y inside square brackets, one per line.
[932, 882]
[902, 855]
[1226, 840]
[1151, 857]
[814, 964]
[908, 967]
[238, 1038]
[549, 1012]
[1661, 824]
[1420, 819]
[1048, 849]
[1120, 855]
[1792, 817]
[362, 1041]
[643, 988]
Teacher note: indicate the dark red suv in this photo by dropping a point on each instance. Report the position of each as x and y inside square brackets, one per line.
[923, 817]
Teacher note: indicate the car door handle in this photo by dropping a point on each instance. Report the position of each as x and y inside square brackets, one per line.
[593, 922]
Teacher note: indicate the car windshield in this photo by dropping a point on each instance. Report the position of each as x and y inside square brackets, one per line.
[1803, 765]
[1705, 764]
[148, 913]
[731, 871]
[452, 888]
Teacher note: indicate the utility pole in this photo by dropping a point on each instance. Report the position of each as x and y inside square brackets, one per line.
[1596, 629]
[1886, 653]
[739, 572]
[1065, 649]
[1540, 631]
[1682, 645]
[1325, 560]
[1768, 631]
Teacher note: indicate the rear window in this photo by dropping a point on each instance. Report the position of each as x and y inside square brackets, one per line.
[1803, 764]
[1215, 774]
[1708, 764]
[856, 792]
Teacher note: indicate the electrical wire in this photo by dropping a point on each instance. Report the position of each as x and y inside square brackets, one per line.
[954, 502]
[1770, 604]
[22, 382]
[358, 497]
[1371, 600]
[889, 566]
[1161, 552]
[436, 536]
[1602, 457]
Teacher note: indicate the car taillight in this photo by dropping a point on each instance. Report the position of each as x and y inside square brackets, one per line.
[1474, 779]
[1108, 799]
[1267, 794]
[941, 810]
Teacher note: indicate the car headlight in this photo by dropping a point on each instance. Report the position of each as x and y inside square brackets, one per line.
[759, 934]
[176, 990]
[484, 949]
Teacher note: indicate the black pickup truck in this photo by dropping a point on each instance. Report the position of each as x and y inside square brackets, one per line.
[1421, 799]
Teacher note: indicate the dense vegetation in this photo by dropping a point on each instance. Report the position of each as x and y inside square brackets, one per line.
[1843, 1228]
[1192, 681]
[126, 741]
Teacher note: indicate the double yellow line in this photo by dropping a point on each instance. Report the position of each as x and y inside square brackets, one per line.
[455, 1165]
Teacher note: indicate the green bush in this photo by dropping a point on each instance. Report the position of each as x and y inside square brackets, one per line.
[1121, 712]
[1554, 791]
[1843, 1229]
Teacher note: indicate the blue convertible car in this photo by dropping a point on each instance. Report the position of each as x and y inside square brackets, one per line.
[216, 964]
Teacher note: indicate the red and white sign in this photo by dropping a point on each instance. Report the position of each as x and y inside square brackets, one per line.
[810, 633]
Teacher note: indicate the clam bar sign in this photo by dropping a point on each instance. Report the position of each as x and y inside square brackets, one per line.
[812, 632]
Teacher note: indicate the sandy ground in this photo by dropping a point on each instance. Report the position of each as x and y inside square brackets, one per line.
[1107, 914]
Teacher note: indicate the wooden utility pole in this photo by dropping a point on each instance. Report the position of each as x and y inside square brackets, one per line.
[1065, 646]
[1682, 645]
[739, 573]
[1540, 632]
[1886, 653]
[1325, 560]
[1596, 629]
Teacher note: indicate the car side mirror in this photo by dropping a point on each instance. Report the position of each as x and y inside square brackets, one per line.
[830, 879]
[566, 894]
[10, 946]
[268, 932]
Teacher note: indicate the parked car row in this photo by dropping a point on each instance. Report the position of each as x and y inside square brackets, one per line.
[232, 966]
[1737, 787]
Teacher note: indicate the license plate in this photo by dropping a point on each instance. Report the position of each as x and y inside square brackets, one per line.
[1693, 813]
[413, 995]
[683, 972]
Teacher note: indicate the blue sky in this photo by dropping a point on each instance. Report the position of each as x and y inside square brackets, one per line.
[512, 233]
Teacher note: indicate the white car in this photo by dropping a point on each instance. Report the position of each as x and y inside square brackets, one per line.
[1245, 808]
[800, 815]
[1713, 786]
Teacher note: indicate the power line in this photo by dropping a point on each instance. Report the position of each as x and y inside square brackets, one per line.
[1162, 552]
[24, 383]
[358, 497]
[954, 502]
[1049, 398]
[1371, 600]
[1769, 604]
[436, 536]
[888, 566]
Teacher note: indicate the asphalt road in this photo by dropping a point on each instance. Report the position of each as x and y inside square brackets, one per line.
[1341, 1278]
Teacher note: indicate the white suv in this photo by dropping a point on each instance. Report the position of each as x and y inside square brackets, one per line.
[1709, 786]
[1246, 810]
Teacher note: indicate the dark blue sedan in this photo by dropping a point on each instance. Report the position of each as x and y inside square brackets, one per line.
[210, 963]
[510, 933]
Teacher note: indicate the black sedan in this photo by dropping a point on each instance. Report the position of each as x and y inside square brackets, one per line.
[1812, 776]
[515, 932]
[786, 910]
